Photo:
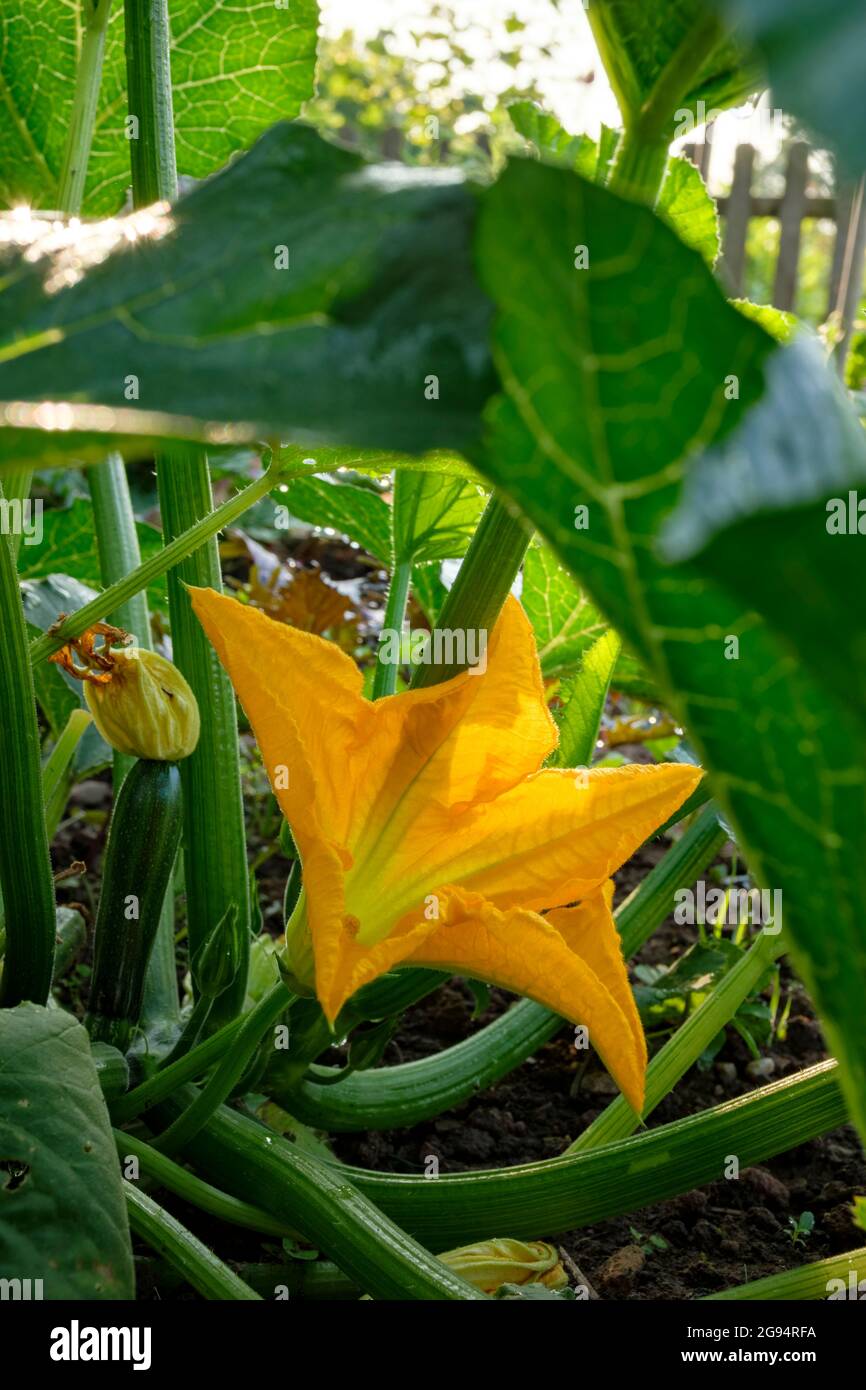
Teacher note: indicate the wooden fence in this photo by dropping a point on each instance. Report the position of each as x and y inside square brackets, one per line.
[792, 208]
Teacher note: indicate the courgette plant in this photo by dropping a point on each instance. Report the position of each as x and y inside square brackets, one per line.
[549, 375]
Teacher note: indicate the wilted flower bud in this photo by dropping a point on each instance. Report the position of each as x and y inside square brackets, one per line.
[491, 1263]
[145, 707]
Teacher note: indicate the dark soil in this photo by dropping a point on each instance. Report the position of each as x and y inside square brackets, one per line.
[724, 1234]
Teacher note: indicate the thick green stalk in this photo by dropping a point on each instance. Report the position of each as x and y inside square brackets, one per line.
[579, 1189]
[79, 136]
[672, 1062]
[316, 1199]
[199, 1266]
[392, 1097]
[385, 678]
[402, 1096]
[214, 846]
[215, 861]
[229, 1071]
[642, 156]
[120, 555]
[483, 581]
[186, 1185]
[159, 563]
[810, 1281]
[148, 75]
[26, 881]
[639, 171]
[547, 1197]
[16, 488]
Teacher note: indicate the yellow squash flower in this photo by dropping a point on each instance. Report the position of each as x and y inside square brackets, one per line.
[430, 834]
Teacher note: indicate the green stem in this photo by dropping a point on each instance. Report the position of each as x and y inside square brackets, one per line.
[119, 556]
[26, 882]
[164, 1083]
[199, 1266]
[550, 1196]
[385, 678]
[192, 1031]
[639, 170]
[618, 1121]
[158, 564]
[557, 1194]
[229, 1071]
[214, 847]
[215, 860]
[54, 772]
[483, 581]
[79, 136]
[808, 1282]
[148, 74]
[186, 1185]
[16, 488]
[330, 1212]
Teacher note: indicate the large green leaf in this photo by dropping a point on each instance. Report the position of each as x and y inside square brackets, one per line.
[567, 623]
[357, 512]
[814, 58]
[783, 490]
[684, 200]
[614, 378]
[299, 290]
[434, 517]
[235, 70]
[637, 40]
[62, 1214]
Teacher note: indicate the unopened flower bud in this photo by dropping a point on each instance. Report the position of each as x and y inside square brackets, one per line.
[217, 961]
[491, 1263]
[145, 708]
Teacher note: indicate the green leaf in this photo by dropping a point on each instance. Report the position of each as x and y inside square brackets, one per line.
[584, 697]
[614, 381]
[638, 38]
[68, 547]
[235, 70]
[434, 517]
[684, 201]
[544, 131]
[813, 57]
[686, 205]
[62, 1216]
[567, 623]
[356, 512]
[374, 333]
[783, 488]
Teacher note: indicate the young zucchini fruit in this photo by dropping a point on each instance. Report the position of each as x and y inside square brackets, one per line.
[142, 706]
[139, 858]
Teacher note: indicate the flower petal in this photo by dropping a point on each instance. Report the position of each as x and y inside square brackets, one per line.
[589, 930]
[553, 839]
[520, 951]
